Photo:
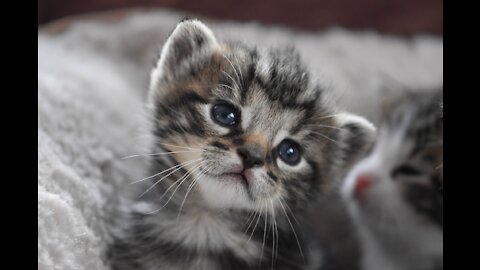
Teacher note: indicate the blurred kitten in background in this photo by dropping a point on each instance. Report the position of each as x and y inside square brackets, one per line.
[395, 194]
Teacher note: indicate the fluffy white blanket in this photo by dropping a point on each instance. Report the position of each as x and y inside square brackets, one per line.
[92, 81]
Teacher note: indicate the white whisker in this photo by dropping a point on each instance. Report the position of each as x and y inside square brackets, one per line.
[179, 146]
[273, 234]
[264, 232]
[248, 219]
[194, 181]
[182, 179]
[289, 210]
[234, 69]
[258, 219]
[294, 232]
[329, 116]
[227, 86]
[239, 70]
[253, 219]
[228, 75]
[325, 126]
[152, 186]
[162, 153]
[166, 170]
[324, 136]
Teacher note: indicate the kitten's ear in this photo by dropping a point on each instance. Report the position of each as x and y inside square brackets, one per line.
[354, 138]
[189, 39]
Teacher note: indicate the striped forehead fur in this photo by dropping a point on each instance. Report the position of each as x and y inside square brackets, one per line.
[279, 71]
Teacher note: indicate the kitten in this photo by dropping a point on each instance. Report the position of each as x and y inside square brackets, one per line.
[244, 140]
[395, 195]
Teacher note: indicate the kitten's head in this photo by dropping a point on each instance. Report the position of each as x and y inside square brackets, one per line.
[397, 191]
[249, 124]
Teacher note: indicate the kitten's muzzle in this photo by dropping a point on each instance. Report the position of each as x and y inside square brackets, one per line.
[252, 155]
[362, 183]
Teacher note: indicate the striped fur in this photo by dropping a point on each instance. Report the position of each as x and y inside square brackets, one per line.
[212, 218]
[399, 216]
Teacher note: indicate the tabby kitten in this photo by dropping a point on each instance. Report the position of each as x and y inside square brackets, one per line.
[395, 195]
[243, 141]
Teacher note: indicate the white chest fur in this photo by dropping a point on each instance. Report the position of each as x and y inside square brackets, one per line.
[202, 230]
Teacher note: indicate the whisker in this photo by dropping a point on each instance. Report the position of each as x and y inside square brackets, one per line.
[294, 232]
[234, 69]
[179, 146]
[185, 177]
[253, 219]
[264, 233]
[326, 126]
[291, 212]
[228, 75]
[329, 116]
[239, 70]
[273, 234]
[182, 179]
[227, 86]
[248, 219]
[152, 186]
[166, 170]
[162, 153]
[258, 219]
[324, 136]
[194, 181]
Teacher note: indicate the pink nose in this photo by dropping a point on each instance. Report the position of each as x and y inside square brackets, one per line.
[362, 182]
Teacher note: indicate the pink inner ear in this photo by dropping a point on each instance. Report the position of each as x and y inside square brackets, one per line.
[362, 182]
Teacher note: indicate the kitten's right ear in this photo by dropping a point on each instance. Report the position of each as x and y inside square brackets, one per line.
[189, 39]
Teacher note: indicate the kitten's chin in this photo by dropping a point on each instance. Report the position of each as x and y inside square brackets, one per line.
[226, 191]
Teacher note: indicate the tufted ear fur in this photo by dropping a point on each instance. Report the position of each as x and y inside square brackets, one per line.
[189, 41]
[354, 140]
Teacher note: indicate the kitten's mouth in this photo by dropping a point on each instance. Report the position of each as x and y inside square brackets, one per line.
[238, 177]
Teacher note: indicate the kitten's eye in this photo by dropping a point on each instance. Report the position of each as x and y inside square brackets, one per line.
[289, 152]
[225, 114]
[405, 170]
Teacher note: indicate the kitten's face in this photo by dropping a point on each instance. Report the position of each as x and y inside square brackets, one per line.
[248, 124]
[397, 191]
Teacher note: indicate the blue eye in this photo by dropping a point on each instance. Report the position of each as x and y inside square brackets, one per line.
[289, 152]
[225, 114]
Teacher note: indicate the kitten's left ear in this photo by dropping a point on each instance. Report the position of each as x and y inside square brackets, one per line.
[189, 39]
[354, 138]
